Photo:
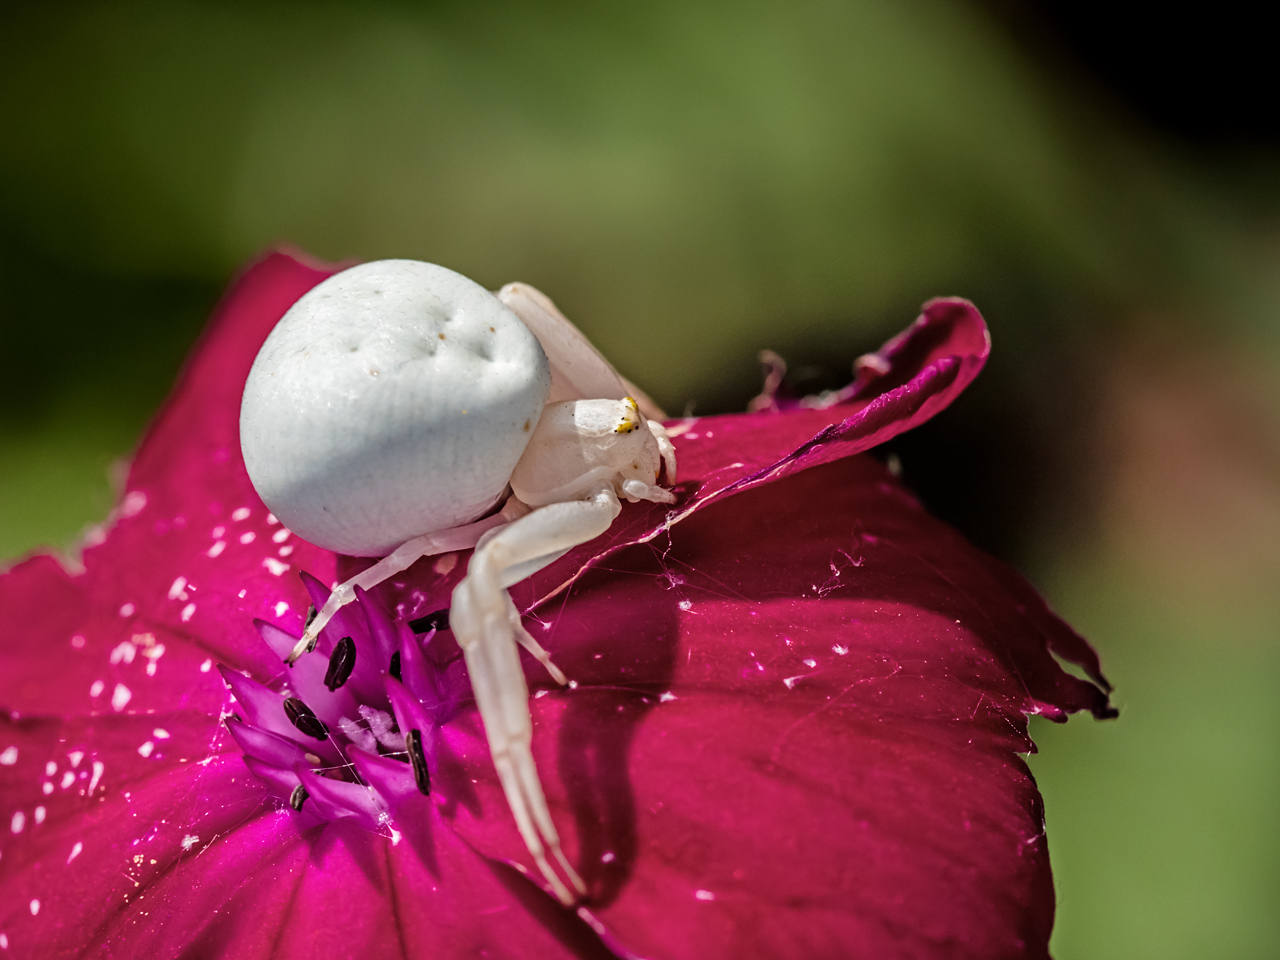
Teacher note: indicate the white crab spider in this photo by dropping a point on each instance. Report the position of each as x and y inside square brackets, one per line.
[395, 407]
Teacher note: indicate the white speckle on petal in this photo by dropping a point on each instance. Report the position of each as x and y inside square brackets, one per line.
[35, 907]
[206, 666]
[608, 857]
[685, 605]
[18, 822]
[187, 612]
[77, 641]
[840, 649]
[704, 894]
[124, 652]
[280, 536]
[247, 538]
[127, 610]
[156, 650]
[216, 549]
[9, 757]
[189, 841]
[241, 594]
[218, 531]
[50, 768]
[240, 513]
[281, 608]
[160, 733]
[75, 756]
[810, 663]
[120, 697]
[178, 589]
[666, 697]
[134, 501]
[39, 814]
[271, 520]
[791, 682]
[146, 748]
[75, 851]
[274, 565]
[68, 779]
[4, 941]
[96, 688]
[98, 768]
[47, 788]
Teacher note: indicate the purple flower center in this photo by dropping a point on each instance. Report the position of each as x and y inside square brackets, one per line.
[353, 727]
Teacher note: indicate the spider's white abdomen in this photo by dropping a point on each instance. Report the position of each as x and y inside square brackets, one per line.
[392, 400]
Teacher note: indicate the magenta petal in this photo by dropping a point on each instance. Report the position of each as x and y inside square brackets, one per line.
[421, 680]
[229, 903]
[392, 779]
[427, 897]
[86, 869]
[269, 748]
[794, 732]
[306, 678]
[337, 798]
[409, 711]
[281, 782]
[351, 621]
[264, 708]
[386, 638]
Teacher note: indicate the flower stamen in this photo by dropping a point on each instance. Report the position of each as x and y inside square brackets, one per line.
[341, 662]
[362, 715]
[302, 717]
[418, 760]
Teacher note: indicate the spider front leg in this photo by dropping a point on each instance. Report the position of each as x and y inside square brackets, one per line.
[667, 449]
[404, 556]
[486, 630]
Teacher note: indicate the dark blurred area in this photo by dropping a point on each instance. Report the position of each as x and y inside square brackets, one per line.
[694, 182]
[1203, 73]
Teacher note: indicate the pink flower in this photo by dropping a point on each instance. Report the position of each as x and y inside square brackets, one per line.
[795, 728]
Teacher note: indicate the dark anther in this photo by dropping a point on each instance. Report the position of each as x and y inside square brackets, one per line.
[298, 797]
[312, 613]
[341, 662]
[432, 621]
[300, 716]
[421, 775]
[394, 669]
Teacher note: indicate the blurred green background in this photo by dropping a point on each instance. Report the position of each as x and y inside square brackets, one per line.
[695, 181]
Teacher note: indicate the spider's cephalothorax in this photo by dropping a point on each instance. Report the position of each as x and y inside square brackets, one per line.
[400, 410]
